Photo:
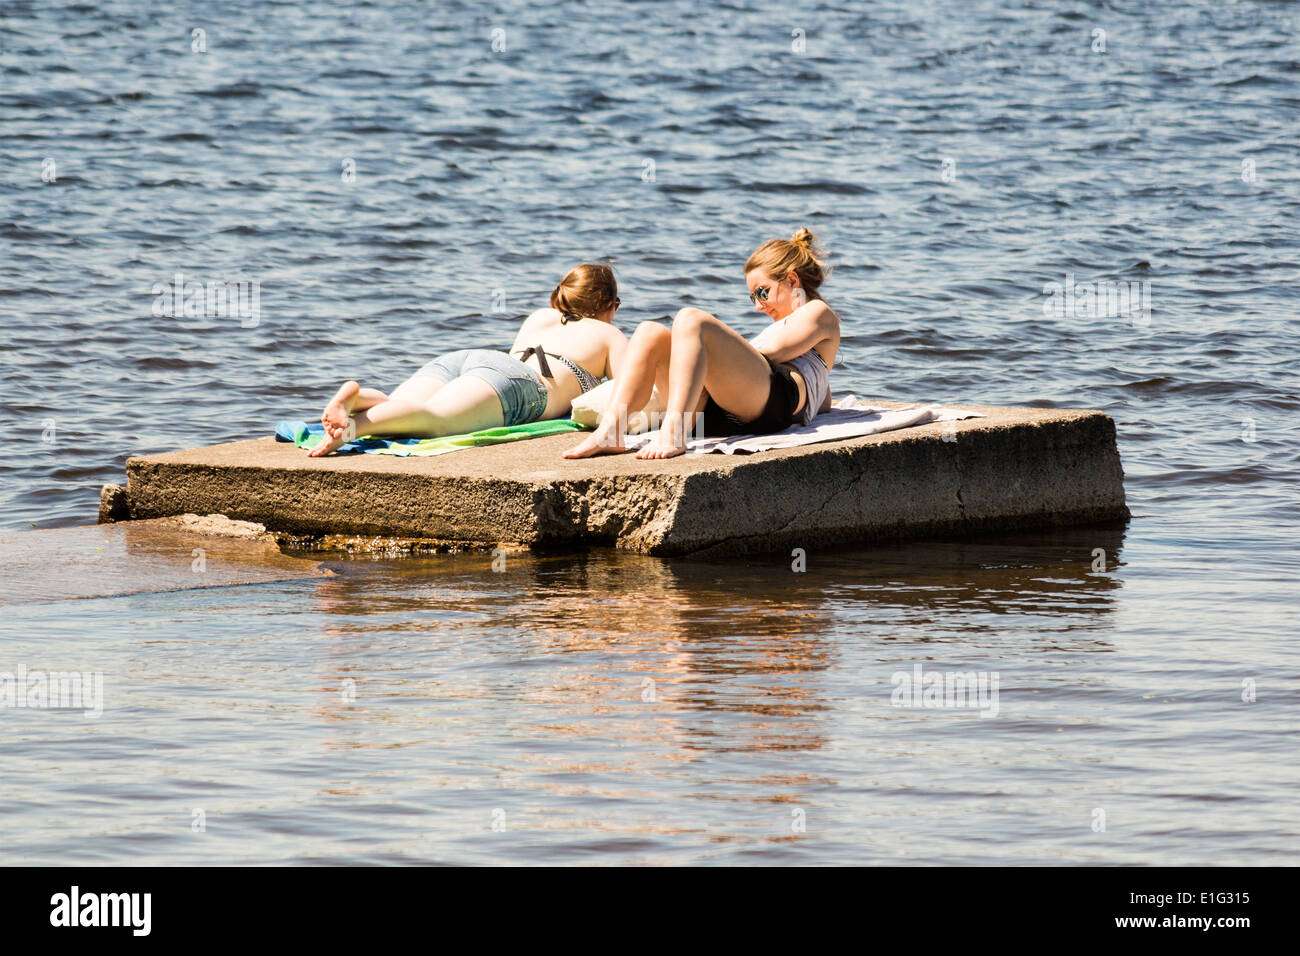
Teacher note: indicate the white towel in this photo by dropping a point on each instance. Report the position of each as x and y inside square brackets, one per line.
[848, 418]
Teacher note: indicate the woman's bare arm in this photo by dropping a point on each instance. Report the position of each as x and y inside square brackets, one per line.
[805, 328]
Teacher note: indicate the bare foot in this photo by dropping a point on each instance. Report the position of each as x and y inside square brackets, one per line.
[599, 442]
[336, 414]
[334, 439]
[663, 445]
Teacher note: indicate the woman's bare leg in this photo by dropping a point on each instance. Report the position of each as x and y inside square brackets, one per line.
[352, 397]
[346, 400]
[465, 404]
[709, 356]
[645, 366]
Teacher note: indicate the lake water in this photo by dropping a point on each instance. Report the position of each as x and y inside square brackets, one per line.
[404, 179]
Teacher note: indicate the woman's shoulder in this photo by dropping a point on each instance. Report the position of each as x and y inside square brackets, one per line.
[821, 308]
[612, 332]
[543, 316]
[542, 320]
[594, 330]
[824, 316]
[814, 311]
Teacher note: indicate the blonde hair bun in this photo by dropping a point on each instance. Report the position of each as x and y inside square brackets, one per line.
[800, 254]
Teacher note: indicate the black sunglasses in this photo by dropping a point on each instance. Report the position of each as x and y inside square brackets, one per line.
[759, 295]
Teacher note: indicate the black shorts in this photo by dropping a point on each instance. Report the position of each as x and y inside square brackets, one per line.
[777, 414]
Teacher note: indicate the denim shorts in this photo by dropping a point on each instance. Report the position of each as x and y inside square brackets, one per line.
[523, 396]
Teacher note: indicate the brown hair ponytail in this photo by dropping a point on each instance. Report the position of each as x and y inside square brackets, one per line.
[584, 291]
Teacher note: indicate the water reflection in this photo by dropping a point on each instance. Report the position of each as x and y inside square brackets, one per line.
[663, 659]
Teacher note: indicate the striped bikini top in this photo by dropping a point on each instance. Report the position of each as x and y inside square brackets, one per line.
[586, 381]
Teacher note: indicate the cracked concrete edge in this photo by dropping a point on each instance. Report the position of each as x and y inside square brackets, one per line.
[629, 512]
[337, 503]
[114, 505]
[1066, 474]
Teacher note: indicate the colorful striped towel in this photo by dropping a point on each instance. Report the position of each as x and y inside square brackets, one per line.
[308, 436]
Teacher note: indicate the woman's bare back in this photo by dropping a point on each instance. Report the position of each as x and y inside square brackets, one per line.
[592, 344]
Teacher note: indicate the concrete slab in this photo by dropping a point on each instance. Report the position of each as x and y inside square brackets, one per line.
[1017, 468]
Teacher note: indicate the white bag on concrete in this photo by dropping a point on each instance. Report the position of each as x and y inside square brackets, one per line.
[589, 407]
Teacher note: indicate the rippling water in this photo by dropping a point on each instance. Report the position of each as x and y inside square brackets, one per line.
[397, 187]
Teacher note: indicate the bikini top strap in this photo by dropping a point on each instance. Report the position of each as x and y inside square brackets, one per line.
[544, 365]
[586, 381]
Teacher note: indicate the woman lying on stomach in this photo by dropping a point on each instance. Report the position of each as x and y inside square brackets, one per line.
[742, 387]
[558, 354]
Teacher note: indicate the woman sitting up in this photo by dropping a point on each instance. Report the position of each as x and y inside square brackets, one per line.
[738, 386]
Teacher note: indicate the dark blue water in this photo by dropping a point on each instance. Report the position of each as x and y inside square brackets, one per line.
[396, 187]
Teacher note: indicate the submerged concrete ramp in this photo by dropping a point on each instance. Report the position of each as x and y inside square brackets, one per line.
[141, 557]
[1017, 468]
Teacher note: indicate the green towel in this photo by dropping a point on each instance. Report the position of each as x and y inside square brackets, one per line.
[488, 436]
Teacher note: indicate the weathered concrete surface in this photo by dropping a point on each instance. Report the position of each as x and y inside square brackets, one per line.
[1017, 468]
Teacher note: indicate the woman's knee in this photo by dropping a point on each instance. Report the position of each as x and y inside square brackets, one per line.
[650, 334]
[689, 320]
